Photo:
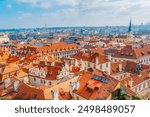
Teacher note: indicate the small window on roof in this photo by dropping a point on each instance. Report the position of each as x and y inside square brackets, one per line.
[142, 53]
[34, 96]
[131, 54]
[127, 54]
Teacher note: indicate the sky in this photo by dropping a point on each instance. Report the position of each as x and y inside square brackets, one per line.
[63, 13]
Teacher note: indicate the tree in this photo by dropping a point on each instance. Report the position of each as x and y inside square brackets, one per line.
[120, 94]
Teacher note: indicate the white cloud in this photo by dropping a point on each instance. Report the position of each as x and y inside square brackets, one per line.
[49, 3]
[88, 12]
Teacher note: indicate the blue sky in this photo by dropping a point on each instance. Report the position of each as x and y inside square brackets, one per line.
[37, 13]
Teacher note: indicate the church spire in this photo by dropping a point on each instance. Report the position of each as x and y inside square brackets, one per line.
[130, 26]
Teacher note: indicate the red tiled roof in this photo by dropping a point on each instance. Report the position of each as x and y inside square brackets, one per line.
[25, 92]
[64, 95]
[93, 89]
[59, 46]
[91, 57]
[134, 52]
[127, 66]
[137, 79]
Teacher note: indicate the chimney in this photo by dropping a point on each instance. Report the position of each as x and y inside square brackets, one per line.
[15, 86]
[71, 66]
[130, 83]
[120, 67]
[53, 64]
[54, 94]
[126, 84]
[52, 56]
[46, 63]
[97, 60]
[84, 51]
[72, 87]
[109, 57]
[6, 83]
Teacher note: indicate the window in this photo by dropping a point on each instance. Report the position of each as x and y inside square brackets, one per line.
[139, 87]
[144, 86]
[101, 67]
[94, 66]
[107, 65]
[50, 83]
[136, 90]
[34, 96]
[148, 83]
[41, 81]
[77, 98]
[34, 79]
[88, 64]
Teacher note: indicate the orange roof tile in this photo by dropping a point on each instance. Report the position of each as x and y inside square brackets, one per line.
[134, 52]
[93, 89]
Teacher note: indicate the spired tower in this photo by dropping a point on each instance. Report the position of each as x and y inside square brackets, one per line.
[130, 27]
[129, 33]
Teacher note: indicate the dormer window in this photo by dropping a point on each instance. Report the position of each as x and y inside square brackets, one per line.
[131, 54]
[122, 53]
[142, 53]
[127, 54]
[34, 96]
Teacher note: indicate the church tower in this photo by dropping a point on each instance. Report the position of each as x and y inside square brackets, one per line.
[130, 27]
[129, 32]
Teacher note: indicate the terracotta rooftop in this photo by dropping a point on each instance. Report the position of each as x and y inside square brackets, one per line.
[92, 89]
[137, 79]
[25, 92]
[59, 46]
[91, 57]
[134, 52]
[127, 66]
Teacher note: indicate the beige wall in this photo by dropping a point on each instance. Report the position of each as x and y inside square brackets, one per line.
[85, 65]
[64, 85]
[38, 82]
[120, 75]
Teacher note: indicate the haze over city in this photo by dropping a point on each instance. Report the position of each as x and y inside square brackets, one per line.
[62, 13]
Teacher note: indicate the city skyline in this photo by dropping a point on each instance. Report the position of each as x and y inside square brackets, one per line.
[64, 13]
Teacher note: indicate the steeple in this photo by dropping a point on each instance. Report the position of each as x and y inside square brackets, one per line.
[130, 26]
